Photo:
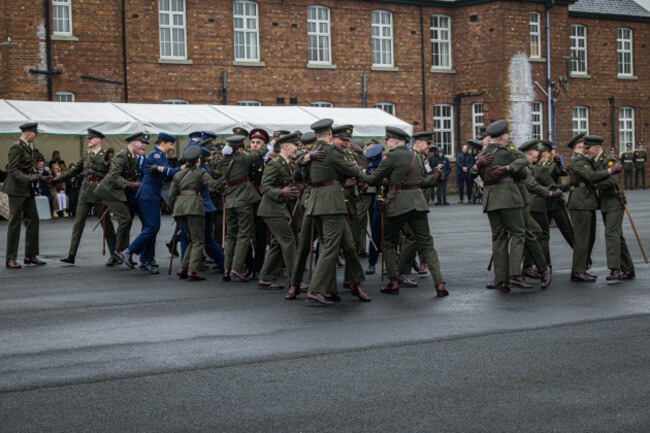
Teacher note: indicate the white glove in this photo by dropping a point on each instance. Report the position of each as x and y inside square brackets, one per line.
[227, 150]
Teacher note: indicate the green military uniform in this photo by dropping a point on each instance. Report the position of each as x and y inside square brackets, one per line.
[640, 158]
[539, 210]
[556, 210]
[627, 159]
[22, 205]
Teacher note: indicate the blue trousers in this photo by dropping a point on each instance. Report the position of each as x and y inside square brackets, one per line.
[145, 243]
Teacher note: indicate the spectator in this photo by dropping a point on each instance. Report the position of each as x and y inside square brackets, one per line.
[440, 161]
[60, 205]
[3, 174]
[172, 159]
[464, 163]
[43, 188]
[56, 159]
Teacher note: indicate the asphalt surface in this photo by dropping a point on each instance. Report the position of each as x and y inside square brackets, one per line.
[90, 348]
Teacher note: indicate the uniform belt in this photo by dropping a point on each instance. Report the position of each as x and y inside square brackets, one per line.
[94, 179]
[324, 183]
[409, 186]
[504, 179]
[237, 182]
[189, 192]
[579, 185]
[258, 188]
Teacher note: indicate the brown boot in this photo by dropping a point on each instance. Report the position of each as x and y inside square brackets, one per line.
[546, 277]
[441, 291]
[519, 282]
[504, 287]
[193, 276]
[69, 259]
[293, 293]
[392, 288]
[357, 291]
[616, 274]
[529, 271]
[423, 268]
[182, 274]
[407, 281]
[494, 284]
[582, 277]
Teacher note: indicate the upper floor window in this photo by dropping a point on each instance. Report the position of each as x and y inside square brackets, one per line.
[536, 119]
[580, 120]
[173, 32]
[64, 97]
[176, 101]
[388, 107]
[624, 50]
[443, 125]
[626, 127]
[382, 38]
[578, 49]
[318, 34]
[441, 41]
[62, 17]
[535, 35]
[249, 103]
[247, 38]
[325, 104]
[477, 118]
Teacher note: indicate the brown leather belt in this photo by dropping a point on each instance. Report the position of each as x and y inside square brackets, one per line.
[504, 179]
[258, 188]
[94, 179]
[409, 186]
[324, 183]
[579, 185]
[237, 182]
[189, 192]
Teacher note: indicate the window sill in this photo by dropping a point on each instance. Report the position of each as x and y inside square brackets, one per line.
[537, 59]
[583, 76]
[384, 68]
[68, 38]
[627, 77]
[253, 64]
[174, 61]
[318, 66]
[442, 71]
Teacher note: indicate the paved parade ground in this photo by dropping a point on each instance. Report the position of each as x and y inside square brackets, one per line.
[90, 348]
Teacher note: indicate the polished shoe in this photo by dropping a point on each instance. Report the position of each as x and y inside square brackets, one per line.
[127, 258]
[616, 274]
[340, 262]
[169, 248]
[238, 274]
[182, 274]
[293, 293]
[546, 277]
[363, 254]
[334, 297]
[437, 203]
[193, 276]
[529, 271]
[446, 203]
[519, 282]
[149, 267]
[304, 286]
[470, 201]
[114, 259]
[460, 202]
[494, 284]
[628, 275]
[370, 270]
[269, 285]
[33, 261]
[357, 291]
[594, 276]
[423, 268]
[441, 290]
[406, 281]
[582, 277]
[347, 285]
[12, 264]
[317, 298]
[504, 287]
[69, 259]
[392, 288]
[226, 275]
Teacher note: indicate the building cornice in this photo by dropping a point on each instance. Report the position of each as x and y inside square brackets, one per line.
[609, 17]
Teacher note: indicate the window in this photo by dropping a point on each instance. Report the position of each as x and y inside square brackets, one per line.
[535, 35]
[578, 49]
[624, 50]
[247, 39]
[536, 119]
[626, 127]
[318, 34]
[580, 120]
[441, 41]
[171, 22]
[249, 103]
[477, 117]
[62, 17]
[382, 38]
[176, 101]
[322, 104]
[443, 127]
[64, 97]
[388, 107]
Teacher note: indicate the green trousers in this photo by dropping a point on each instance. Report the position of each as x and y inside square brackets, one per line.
[331, 229]
[563, 223]
[627, 176]
[283, 247]
[541, 218]
[507, 224]
[22, 209]
[122, 215]
[306, 237]
[353, 270]
[639, 172]
[80, 216]
[365, 212]
[618, 255]
[409, 249]
[239, 227]
[532, 244]
[194, 228]
[584, 222]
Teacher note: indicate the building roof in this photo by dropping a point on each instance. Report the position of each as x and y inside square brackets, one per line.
[609, 7]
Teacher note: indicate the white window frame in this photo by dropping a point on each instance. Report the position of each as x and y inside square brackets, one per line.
[382, 38]
[173, 21]
[478, 118]
[535, 29]
[440, 42]
[443, 127]
[580, 118]
[59, 6]
[537, 120]
[319, 32]
[624, 48]
[325, 104]
[175, 101]
[388, 107]
[249, 103]
[249, 31]
[64, 97]
[579, 64]
[626, 127]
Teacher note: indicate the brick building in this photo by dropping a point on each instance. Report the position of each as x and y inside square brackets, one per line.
[445, 64]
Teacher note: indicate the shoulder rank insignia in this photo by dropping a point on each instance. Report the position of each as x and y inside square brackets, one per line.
[156, 155]
[611, 163]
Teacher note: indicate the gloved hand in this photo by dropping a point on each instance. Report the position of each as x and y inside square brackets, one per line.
[557, 160]
[108, 156]
[317, 154]
[289, 192]
[355, 147]
[616, 168]
[270, 146]
[484, 160]
[438, 174]
[134, 185]
[499, 171]
[151, 168]
[556, 193]
[34, 177]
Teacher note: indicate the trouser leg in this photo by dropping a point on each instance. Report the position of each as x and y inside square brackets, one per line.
[419, 223]
[582, 220]
[232, 228]
[392, 230]
[331, 229]
[245, 229]
[284, 248]
[30, 216]
[353, 270]
[124, 220]
[16, 204]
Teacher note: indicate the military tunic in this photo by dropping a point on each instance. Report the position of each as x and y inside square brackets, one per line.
[305, 240]
[534, 234]
[627, 159]
[556, 210]
[640, 158]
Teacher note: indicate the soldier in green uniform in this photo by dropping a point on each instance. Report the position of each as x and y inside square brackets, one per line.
[640, 158]
[19, 187]
[583, 203]
[503, 203]
[619, 260]
[278, 195]
[556, 209]
[627, 159]
[240, 196]
[118, 190]
[405, 203]
[187, 204]
[94, 165]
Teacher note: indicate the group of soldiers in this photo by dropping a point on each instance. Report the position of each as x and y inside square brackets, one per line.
[634, 162]
[256, 206]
